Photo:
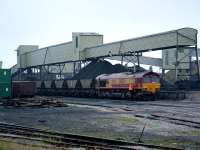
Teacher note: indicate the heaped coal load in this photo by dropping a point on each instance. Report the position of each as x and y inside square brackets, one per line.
[96, 68]
[99, 67]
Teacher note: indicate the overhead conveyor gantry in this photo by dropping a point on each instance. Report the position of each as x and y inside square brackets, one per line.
[171, 39]
[184, 37]
[87, 46]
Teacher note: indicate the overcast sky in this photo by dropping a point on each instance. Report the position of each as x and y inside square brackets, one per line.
[48, 22]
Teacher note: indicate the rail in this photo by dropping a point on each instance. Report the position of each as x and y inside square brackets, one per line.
[69, 140]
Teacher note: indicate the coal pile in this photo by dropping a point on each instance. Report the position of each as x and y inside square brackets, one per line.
[99, 67]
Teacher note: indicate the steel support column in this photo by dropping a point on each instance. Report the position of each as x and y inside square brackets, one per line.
[138, 60]
[122, 60]
[176, 62]
[197, 58]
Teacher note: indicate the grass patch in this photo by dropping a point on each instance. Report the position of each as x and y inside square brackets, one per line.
[164, 142]
[128, 120]
[195, 132]
[2, 146]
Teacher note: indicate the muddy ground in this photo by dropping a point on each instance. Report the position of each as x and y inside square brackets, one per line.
[172, 123]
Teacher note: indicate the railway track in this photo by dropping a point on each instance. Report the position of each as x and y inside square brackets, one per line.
[178, 121]
[189, 123]
[133, 104]
[69, 140]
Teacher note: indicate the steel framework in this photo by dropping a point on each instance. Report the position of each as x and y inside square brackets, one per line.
[128, 50]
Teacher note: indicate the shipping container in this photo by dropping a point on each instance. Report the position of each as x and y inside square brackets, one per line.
[5, 83]
[5, 90]
[23, 88]
[5, 76]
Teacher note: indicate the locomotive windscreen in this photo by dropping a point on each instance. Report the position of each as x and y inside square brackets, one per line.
[102, 83]
[151, 79]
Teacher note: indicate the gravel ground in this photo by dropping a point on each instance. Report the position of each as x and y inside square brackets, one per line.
[117, 119]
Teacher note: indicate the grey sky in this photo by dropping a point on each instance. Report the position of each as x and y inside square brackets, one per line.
[48, 22]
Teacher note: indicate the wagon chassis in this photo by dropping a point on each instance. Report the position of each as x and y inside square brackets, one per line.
[123, 94]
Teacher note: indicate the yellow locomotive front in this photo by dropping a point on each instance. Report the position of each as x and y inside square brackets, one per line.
[151, 82]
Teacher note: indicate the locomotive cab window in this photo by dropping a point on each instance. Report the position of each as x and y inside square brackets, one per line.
[155, 79]
[151, 78]
[147, 79]
[102, 83]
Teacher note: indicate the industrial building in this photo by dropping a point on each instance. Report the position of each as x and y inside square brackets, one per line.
[179, 47]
